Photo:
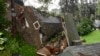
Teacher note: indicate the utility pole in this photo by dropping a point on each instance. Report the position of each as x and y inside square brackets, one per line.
[13, 16]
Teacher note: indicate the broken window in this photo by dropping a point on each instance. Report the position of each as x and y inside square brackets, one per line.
[36, 25]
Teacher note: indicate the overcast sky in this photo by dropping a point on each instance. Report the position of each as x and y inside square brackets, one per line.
[37, 4]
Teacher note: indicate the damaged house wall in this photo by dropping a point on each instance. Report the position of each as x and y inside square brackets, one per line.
[48, 28]
[30, 24]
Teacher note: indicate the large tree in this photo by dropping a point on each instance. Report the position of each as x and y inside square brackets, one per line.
[68, 9]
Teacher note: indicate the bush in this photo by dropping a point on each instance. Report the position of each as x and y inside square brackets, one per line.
[4, 23]
[16, 45]
[85, 27]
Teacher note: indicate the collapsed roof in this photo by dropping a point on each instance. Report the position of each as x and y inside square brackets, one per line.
[44, 18]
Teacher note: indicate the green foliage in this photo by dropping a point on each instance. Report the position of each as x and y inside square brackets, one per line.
[27, 50]
[3, 22]
[98, 8]
[1, 44]
[5, 53]
[2, 7]
[2, 41]
[13, 45]
[17, 45]
[85, 27]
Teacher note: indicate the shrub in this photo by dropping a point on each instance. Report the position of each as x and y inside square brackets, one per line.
[16, 45]
[85, 27]
[4, 23]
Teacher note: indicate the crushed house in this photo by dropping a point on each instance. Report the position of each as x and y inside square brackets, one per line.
[45, 27]
[36, 28]
[47, 33]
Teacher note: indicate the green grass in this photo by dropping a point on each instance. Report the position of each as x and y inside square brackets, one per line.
[93, 37]
[17, 45]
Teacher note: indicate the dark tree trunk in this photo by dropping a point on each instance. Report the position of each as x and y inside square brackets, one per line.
[71, 28]
[68, 11]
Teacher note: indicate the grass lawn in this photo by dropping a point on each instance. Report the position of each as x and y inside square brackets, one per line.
[93, 37]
